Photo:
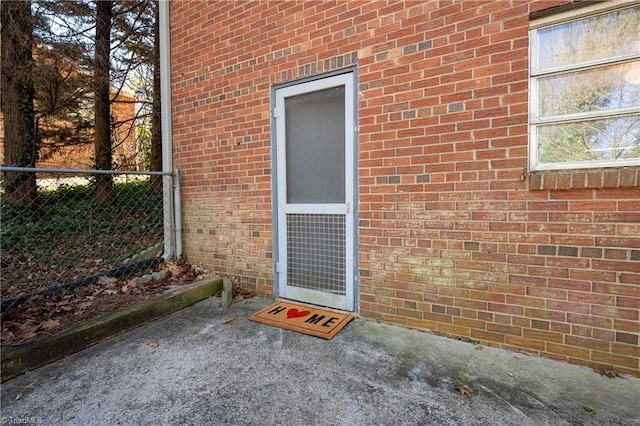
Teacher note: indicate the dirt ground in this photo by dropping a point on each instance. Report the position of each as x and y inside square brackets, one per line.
[46, 315]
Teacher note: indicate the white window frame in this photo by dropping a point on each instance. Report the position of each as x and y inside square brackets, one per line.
[535, 74]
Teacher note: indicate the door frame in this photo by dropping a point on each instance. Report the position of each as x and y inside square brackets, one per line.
[351, 195]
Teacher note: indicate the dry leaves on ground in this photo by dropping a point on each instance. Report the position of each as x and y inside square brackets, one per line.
[43, 316]
[611, 373]
[464, 391]
[239, 293]
[30, 386]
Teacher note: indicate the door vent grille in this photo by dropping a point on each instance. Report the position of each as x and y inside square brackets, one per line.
[316, 252]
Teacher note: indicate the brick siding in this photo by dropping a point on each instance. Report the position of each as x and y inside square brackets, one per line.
[455, 236]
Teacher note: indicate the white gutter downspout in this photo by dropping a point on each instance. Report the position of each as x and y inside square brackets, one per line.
[167, 132]
[177, 203]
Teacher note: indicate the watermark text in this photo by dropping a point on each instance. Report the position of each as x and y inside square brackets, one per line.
[21, 420]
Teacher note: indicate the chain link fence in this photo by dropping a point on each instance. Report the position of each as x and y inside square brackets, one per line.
[60, 231]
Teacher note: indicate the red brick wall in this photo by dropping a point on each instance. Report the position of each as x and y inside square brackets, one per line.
[454, 235]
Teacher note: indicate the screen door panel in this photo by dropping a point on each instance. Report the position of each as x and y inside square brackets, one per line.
[314, 124]
[314, 179]
[316, 252]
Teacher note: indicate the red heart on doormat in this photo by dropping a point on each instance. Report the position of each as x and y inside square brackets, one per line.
[294, 313]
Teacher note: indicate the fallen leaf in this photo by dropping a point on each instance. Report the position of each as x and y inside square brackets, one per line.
[465, 391]
[84, 305]
[107, 281]
[227, 320]
[173, 268]
[608, 372]
[7, 324]
[241, 294]
[26, 336]
[64, 306]
[153, 344]
[49, 325]
[36, 311]
[29, 386]
[589, 409]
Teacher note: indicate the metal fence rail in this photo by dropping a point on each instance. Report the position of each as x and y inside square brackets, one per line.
[66, 238]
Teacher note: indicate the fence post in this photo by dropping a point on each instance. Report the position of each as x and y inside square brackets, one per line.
[177, 212]
[168, 216]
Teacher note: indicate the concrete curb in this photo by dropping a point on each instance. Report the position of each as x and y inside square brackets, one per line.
[18, 360]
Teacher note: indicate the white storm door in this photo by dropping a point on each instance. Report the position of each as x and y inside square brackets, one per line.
[315, 181]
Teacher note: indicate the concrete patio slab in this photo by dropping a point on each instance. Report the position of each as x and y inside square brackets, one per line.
[17, 360]
[195, 367]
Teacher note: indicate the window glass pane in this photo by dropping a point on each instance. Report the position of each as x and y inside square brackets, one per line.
[591, 90]
[610, 139]
[315, 147]
[597, 37]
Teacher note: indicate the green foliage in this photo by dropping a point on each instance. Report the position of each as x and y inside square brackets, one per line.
[75, 230]
[143, 133]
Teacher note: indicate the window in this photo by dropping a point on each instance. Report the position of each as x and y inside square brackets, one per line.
[585, 90]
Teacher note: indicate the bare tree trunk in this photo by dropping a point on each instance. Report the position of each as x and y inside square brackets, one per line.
[104, 183]
[20, 138]
[156, 126]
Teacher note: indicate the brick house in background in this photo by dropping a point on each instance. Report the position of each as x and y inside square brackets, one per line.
[440, 165]
[125, 149]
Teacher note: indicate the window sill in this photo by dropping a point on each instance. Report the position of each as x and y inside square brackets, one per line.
[580, 179]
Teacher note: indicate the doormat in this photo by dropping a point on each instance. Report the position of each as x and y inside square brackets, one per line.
[304, 319]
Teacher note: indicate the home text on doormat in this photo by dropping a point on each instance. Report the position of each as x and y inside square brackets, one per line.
[304, 319]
